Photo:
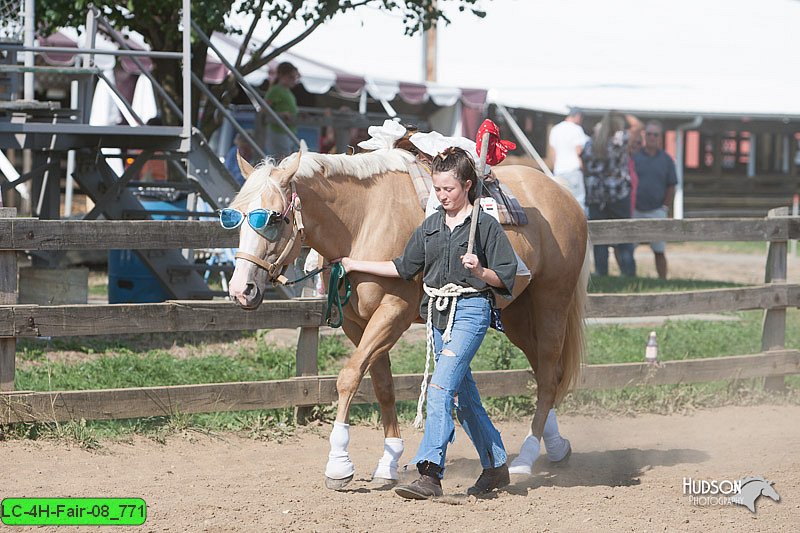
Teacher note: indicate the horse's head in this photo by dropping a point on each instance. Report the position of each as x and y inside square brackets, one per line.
[768, 490]
[266, 213]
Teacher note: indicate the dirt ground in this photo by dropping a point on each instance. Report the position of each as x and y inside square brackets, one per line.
[696, 261]
[625, 474]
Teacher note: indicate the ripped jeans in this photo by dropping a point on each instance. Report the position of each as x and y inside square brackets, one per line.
[452, 386]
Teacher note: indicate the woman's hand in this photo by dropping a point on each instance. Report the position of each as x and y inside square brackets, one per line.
[346, 262]
[471, 263]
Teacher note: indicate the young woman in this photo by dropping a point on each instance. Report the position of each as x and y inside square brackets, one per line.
[460, 289]
[608, 183]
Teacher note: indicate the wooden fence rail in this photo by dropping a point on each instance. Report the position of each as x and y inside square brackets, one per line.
[313, 390]
[194, 315]
[19, 321]
[33, 234]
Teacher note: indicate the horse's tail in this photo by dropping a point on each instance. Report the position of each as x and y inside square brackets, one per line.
[574, 350]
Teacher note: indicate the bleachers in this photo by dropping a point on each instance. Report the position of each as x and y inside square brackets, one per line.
[737, 195]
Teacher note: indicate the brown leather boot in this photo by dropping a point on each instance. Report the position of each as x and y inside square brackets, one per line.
[489, 480]
[427, 486]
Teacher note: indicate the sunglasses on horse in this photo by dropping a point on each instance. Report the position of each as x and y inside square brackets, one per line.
[263, 221]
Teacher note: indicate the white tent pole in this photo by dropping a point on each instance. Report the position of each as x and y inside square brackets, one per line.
[73, 104]
[793, 242]
[458, 120]
[523, 140]
[186, 144]
[677, 203]
[27, 83]
[362, 102]
[28, 36]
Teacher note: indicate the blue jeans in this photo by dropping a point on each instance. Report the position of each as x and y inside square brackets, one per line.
[623, 252]
[452, 386]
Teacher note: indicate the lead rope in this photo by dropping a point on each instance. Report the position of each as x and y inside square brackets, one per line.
[338, 277]
[442, 298]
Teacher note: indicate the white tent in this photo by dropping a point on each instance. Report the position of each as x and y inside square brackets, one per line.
[318, 77]
[722, 56]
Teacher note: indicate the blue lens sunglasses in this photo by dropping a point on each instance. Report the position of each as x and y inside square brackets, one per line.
[263, 221]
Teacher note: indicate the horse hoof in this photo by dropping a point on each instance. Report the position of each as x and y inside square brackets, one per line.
[563, 460]
[337, 484]
[383, 483]
[520, 469]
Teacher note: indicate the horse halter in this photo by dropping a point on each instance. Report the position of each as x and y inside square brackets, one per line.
[275, 270]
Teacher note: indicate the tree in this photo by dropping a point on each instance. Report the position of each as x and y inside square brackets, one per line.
[158, 21]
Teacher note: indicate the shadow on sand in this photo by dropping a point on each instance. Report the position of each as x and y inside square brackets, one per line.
[612, 468]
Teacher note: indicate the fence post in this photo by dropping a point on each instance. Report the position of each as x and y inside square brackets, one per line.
[773, 333]
[306, 365]
[8, 296]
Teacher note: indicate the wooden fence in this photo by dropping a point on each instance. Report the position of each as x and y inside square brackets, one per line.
[19, 321]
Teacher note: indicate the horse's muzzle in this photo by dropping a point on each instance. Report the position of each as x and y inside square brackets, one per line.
[249, 298]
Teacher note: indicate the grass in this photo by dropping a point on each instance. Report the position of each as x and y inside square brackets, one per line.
[153, 360]
[735, 247]
[621, 284]
[738, 247]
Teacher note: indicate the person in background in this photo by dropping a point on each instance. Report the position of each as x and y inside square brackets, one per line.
[657, 180]
[608, 183]
[243, 147]
[327, 134]
[567, 140]
[280, 98]
[634, 145]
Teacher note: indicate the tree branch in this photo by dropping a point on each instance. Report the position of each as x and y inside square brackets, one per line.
[285, 22]
[256, 17]
[258, 61]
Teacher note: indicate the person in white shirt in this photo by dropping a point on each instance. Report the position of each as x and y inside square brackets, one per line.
[567, 140]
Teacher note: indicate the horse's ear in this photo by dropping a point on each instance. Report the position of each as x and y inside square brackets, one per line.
[284, 175]
[245, 167]
[303, 146]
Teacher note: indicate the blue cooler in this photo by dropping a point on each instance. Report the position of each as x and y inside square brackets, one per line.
[129, 279]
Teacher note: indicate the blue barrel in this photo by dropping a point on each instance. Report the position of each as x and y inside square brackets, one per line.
[129, 279]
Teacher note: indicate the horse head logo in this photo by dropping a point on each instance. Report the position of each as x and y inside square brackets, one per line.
[752, 488]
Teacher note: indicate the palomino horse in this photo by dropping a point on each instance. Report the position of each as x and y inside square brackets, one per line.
[365, 206]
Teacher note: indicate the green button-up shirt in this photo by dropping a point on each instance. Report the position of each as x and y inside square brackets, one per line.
[436, 251]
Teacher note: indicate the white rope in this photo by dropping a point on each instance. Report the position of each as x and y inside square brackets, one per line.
[442, 298]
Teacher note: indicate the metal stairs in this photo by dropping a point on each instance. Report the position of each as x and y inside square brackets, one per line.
[50, 132]
[117, 202]
[118, 199]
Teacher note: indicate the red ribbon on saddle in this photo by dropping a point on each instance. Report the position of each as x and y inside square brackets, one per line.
[498, 148]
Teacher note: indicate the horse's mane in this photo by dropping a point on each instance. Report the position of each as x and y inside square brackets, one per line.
[254, 185]
[360, 166]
